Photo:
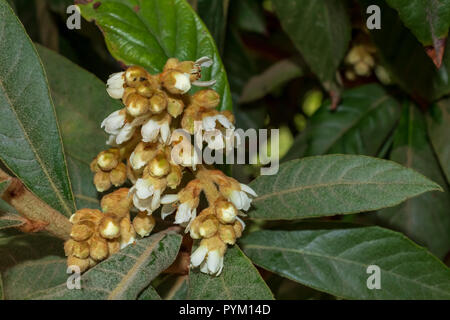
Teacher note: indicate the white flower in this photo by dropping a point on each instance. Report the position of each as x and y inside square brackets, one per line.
[114, 122]
[182, 82]
[241, 199]
[145, 196]
[185, 213]
[114, 86]
[210, 261]
[209, 122]
[204, 62]
[155, 127]
[126, 244]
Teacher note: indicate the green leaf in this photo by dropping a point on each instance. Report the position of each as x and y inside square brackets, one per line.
[336, 261]
[277, 75]
[406, 59]
[239, 280]
[334, 184]
[249, 15]
[439, 130]
[149, 294]
[214, 15]
[30, 144]
[80, 110]
[9, 220]
[428, 20]
[125, 274]
[320, 30]
[425, 219]
[147, 33]
[362, 122]
[30, 263]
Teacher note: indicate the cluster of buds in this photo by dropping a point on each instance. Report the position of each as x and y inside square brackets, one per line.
[150, 146]
[360, 61]
[98, 234]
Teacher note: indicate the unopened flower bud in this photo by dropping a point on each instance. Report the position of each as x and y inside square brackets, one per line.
[158, 102]
[82, 231]
[127, 233]
[102, 181]
[113, 246]
[109, 227]
[80, 249]
[175, 106]
[68, 247]
[83, 264]
[117, 203]
[108, 159]
[208, 227]
[176, 82]
[226, 212]
[128, 92]
[145, 89]
[98, 248]
[227, 234]
[174, 177]
[362, 69]
[135, 75]
[206, 98]
[92, 215]
[137, 105]
[238, 228]
[118, 176]
[143, 224]
[159, 166]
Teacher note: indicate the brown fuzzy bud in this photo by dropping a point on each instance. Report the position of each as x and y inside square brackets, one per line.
[227, 234]
[109, 227]
[176, 82]
[127, 233]
[158, 102]
[108, 159]
[83, 264]
[206, 98]
[226, 212]
[127, 92]
[137, 105]
[68, 247]
[174, 177]
[171, 63]
[159, 166]
[117, 203]
[145, 89]
[92, 215]
[82, 231]
[118, 176]
[113, 246]
[80, 249]
[143, 224]
[102, 181]
[238, 228]
[98, 248]
[175, 106]
[135, 75]
[208, 227]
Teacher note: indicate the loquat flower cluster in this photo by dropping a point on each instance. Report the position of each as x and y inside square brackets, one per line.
[151, 149]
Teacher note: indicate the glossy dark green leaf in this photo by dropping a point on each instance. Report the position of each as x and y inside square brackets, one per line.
[30, 263]
[426, 218]
[124, 275]
[276, 75]
[334, 184]
[362, 122]
[428, 20]
[147, 33]
[30, 143]
[214, 15]
[439, 131]
[404, 56]
[337, 261]
[239, 280]
[81, 104]
[320, 30]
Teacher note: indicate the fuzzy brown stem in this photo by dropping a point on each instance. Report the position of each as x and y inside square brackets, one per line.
[33, 208]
